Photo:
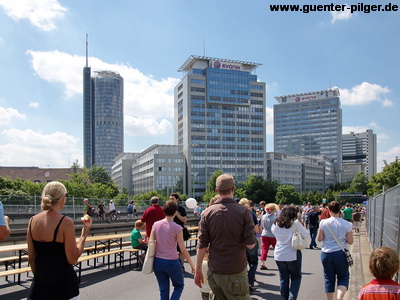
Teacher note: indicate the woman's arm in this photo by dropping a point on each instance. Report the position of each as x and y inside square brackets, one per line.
[304, 232]
[185, 253]
[31, 248]
[349, 238]
[320, 235]
[73, 249]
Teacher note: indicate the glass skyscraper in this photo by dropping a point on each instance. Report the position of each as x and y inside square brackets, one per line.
[310, 124]
[219, 120]
[103, 118]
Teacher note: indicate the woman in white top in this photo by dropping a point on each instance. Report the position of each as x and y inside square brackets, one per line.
[288, 259]
[332, 257]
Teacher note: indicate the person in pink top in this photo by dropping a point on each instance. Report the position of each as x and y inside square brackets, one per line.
[167, 265]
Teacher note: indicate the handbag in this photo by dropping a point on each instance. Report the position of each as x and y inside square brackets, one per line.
[346, 251]
[186, 234]
[298, 241]
[149, 259]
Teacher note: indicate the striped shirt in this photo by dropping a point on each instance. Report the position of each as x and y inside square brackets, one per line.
[380, 289]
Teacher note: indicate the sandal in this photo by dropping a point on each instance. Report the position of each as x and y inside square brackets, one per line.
[263, 268]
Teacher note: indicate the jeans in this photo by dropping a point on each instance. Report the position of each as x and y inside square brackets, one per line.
[290, 277]
[252, 259]
[313, 234]
[335, 265]
[166, 269]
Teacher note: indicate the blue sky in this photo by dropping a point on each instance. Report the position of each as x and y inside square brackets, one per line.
[42, 53]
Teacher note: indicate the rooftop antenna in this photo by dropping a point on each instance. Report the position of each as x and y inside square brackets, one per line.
[87, 64]
[204, 45]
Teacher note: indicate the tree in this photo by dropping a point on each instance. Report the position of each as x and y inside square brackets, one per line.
[359, 183]
[303, 197]
[329, 196]
[310, 197]
[258, 189]
[210, 190]
[287, 194]
[388, 177]
[98, 174]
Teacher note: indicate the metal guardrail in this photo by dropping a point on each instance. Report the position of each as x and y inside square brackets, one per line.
[383, 220]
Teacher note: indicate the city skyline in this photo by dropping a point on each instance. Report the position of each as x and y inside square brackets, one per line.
[43, 53]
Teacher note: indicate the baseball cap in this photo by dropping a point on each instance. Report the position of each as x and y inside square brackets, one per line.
[225, 182]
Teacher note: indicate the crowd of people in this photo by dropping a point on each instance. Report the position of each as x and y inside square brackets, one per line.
[230, 234]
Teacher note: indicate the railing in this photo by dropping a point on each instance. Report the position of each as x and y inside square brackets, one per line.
[383, 220]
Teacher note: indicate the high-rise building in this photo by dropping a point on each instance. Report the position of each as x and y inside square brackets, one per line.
[103, 117]
[310, 124]
[359, 154]
[219, 120]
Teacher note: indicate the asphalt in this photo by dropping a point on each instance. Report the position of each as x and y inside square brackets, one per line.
[125, 283]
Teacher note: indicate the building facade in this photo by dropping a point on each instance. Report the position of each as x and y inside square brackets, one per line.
[359, 154]
[103, 118]
[158, 168]
[121, 171]
[310, 124]
[219, 120]
[304, 173]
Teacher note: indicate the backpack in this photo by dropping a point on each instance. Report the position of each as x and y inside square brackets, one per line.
[90, 211]
[130, 209]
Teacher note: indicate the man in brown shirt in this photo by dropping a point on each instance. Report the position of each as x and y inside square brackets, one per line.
[226, 229]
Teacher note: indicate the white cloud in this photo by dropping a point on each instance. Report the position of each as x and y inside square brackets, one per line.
[34, 104]
[142, 126]
[41, 13]
[146, 100]
[341, 15]
[387, 103]
[364, 93]
[355, 129]
[8, 114]
[30, 148]
[389, 156]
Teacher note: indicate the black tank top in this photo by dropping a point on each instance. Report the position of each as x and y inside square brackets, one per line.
[54, 277]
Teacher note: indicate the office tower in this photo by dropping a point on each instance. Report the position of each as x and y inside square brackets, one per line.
[310, 124]
[219, 120]
[359, 154]
[103, 118]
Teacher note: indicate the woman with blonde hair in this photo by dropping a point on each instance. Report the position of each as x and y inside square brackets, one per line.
[53, 249]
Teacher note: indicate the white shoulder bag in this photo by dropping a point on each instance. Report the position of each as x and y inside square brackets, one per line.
[298, 241]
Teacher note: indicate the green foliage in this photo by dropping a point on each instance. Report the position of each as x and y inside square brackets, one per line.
[98, 174]
[329, 196]
[210, 190]
[258, 189]
[317, 198]
[388, 177]
[31, 188]
[359, 183]
[287, 194]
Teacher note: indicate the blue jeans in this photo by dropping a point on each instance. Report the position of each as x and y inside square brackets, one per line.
[313, 234]
[166, 269]
[335, 265]
[290, 277]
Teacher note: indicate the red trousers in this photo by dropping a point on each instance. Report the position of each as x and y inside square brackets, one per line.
[266, 243]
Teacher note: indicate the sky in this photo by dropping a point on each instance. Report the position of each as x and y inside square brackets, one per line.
[42, 54]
